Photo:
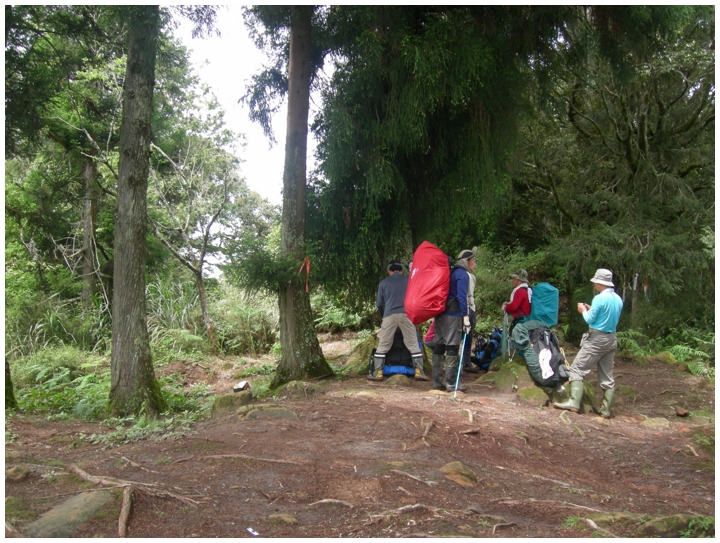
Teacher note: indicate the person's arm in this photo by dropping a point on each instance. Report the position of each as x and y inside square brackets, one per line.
[380, 303]
[462, 293]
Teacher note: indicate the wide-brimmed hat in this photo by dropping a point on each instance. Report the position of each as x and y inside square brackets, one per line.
[467, 254]
[520, 275]
[603, 277]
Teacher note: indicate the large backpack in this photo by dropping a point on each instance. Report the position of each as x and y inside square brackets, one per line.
[428, 285]
[544, 306]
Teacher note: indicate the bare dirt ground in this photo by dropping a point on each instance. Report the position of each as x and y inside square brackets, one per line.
[363, 460]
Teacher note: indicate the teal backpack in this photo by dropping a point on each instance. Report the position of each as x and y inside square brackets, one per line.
[544, 304]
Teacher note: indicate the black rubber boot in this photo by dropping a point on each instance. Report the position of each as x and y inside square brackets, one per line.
[451, 374]
[437, 364]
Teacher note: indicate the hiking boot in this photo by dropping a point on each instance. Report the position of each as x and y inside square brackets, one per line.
[378, 365]
[452, 364]
[576, 394]
[419, 370]
[608, 396]
[470, 368]
[437, 364]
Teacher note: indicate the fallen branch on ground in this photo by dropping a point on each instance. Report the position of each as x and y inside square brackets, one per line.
[125, 511]
[596, 527]
[332, 501]
[471, 431]
[246, 457]
[470, 415]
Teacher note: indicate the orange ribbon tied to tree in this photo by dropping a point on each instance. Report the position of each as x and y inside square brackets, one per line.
[306, 265]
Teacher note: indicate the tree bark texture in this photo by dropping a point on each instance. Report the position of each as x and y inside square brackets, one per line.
[301, 353]
[133, 384]
[209, 326]
[90, 211]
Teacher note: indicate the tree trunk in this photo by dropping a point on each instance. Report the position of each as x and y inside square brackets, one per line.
[133, 385]
[89, 221]
[209, 327]
[635, 307]
[301, 353]
[10, 401]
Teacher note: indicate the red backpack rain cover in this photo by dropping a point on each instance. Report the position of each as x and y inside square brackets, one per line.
[428, 285]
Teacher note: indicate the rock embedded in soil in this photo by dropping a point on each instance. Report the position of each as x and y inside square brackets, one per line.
[16, 474]
[271, 413]
[400, 381]
[228, 404]
[301, 389]
[658, 422]
[670, 526]
[459, 473]
[66, 518]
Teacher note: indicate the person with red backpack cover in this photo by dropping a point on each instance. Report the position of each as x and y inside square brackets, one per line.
[452, 323]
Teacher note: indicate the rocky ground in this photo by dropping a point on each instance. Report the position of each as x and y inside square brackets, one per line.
[352, 458]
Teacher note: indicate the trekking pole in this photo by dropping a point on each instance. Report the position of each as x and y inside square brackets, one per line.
[457, 381]
[505, 339]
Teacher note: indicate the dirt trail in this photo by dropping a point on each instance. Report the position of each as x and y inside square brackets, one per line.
[363, 460]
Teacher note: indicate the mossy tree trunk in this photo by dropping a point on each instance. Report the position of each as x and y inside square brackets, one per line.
[301, 353]
[134, 388]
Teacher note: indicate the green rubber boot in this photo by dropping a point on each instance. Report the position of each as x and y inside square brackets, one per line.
[452, 364]
[576, 394]
[437, 377]
[608, 396]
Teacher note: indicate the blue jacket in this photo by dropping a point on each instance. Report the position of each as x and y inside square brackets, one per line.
[604, 313]
[459, 282]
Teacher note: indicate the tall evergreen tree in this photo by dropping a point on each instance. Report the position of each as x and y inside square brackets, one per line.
[133, 384]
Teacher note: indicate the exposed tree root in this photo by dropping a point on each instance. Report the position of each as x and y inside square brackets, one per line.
[125, 511]
[256, 459]
[334, 502]
[147, 488]
[596, 527]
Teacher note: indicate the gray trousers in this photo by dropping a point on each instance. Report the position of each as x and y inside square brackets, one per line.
[387, 333]
[597, 350]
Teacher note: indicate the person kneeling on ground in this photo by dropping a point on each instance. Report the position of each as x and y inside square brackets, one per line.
[598, 345]
[391, 304]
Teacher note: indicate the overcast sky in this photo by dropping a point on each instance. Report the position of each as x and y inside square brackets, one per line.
[226, 63]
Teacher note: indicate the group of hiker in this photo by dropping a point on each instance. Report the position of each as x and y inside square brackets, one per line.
[451, 332]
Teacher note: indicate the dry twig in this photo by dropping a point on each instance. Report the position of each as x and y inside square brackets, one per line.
[183, 459]
[502, 526]
[429, 483]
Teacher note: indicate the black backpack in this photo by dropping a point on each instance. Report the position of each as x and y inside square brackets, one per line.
[543, 338]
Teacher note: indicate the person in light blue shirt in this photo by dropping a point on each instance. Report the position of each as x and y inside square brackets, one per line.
[598, 344]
